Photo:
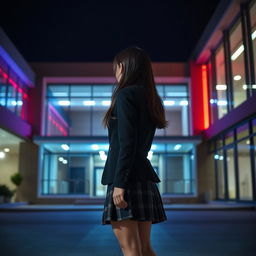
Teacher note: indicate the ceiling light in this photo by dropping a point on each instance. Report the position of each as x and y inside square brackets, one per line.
[169, 102]
[64, 102]
[89, 102]
[184, 103]
[237, 77]
[221, 87]
[221, 102]
[65, 146]
[245, 86]
[237, 53]
[61, 159]
[177, 146]
[95, 146]
[2, 154]
[106, 102]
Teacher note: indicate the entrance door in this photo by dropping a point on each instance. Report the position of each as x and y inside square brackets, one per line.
[77, 178]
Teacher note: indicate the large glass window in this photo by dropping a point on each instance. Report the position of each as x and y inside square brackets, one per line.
[13, 92]
[231, 174]
[176, 102]
[179, 178]
[244, 163]
[245, 174]
[237, 64]
[253, 35]
[224, 155]
[212, 94]
[221, 86]
[77, 109]
[220, 173]
[76, 168]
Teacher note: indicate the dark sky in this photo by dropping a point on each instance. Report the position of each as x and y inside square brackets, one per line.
[97, 30]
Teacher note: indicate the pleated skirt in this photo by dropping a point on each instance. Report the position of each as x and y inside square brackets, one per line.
[144, 204]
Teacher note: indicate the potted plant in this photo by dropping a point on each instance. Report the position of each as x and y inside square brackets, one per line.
[16, 179]
[5, 194]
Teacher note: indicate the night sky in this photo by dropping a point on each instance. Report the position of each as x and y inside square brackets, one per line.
[94, 31]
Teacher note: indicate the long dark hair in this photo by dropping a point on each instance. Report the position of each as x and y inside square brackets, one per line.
[138, 70]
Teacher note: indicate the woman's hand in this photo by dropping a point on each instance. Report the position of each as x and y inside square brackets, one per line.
[118, 197]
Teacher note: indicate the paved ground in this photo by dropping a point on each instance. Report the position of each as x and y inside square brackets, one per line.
[77, 233]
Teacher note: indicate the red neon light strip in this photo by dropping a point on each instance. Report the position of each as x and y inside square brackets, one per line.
[58, 126]
[205, 96]
[52, 108]
[24, 95]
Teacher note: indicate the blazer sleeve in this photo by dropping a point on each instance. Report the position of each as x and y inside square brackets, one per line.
[127, 135]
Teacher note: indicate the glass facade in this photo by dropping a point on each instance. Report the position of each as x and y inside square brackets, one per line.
[13, 92]
[78, 110]
[76, 168]
[220, 173]
[221, 85]
[230, 83]
[244, 167]
[235, 162]
[253, 35]
[230, 173]
[237, 64]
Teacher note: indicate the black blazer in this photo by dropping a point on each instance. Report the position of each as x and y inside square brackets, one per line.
[130, 133]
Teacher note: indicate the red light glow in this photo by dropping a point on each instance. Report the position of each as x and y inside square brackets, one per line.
[205, 96]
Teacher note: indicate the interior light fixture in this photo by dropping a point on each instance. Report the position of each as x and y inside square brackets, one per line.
[89, 102]
[106, 102]
[2, 154]
[237, 53]
[177, 146]
[240, 49]
[95, 146]
[221, 102]
[65, 146]
[64, 102]
[169, 102]
[237, 77]
[221, 87]
[183, 102]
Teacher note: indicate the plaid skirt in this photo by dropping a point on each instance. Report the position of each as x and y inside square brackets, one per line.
[144, 204]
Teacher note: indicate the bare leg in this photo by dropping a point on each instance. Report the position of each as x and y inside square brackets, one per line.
[144, 233]
[126, 232]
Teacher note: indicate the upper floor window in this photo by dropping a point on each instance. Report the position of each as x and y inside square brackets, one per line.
[13, 92]
[237, 64]
[221, 86]
[253, 36]
[77, 109]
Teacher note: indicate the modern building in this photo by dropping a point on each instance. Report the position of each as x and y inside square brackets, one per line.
[51, 119]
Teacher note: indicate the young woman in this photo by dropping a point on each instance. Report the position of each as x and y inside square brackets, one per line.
[133, 201]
